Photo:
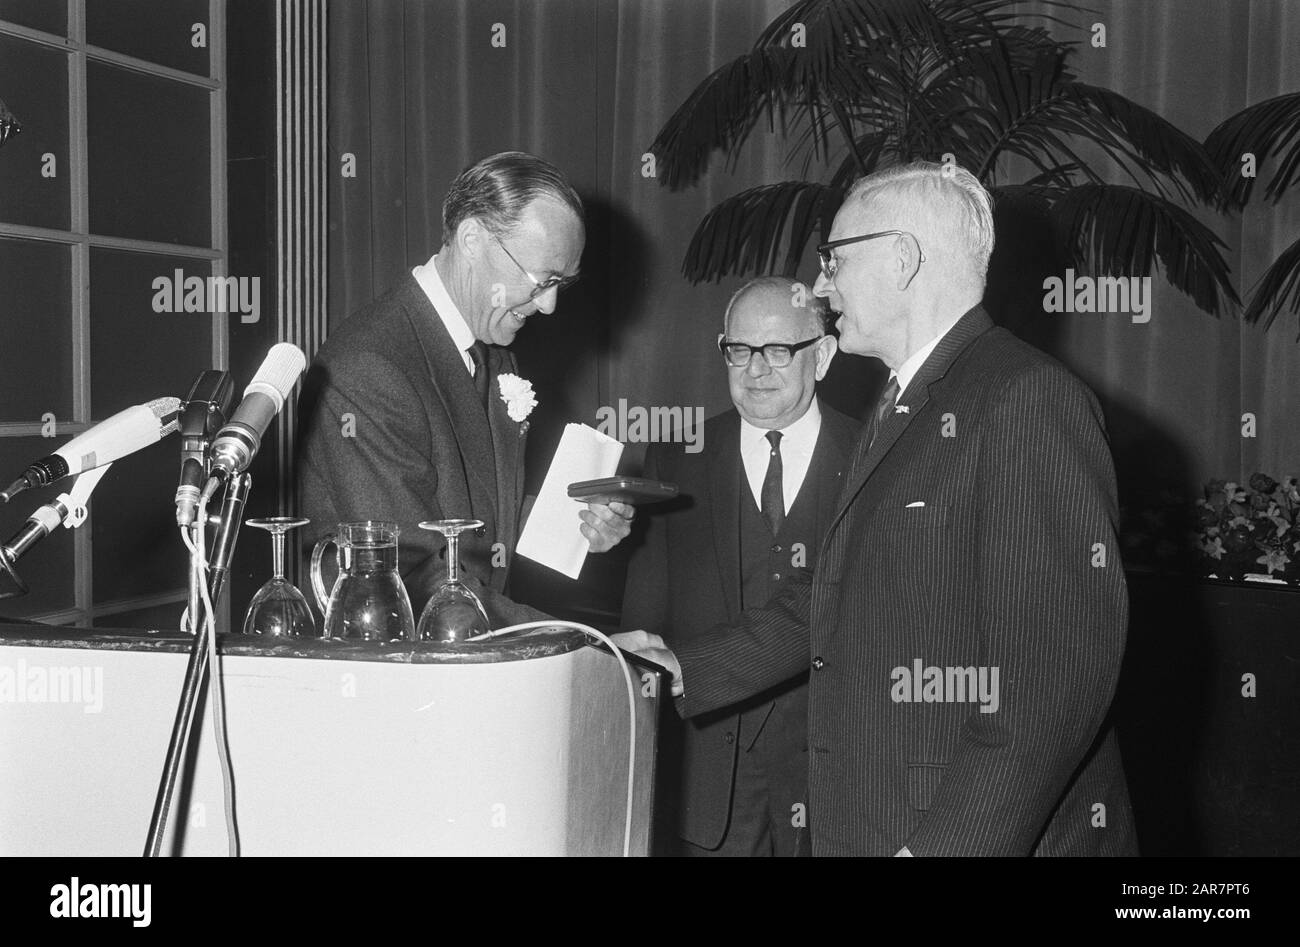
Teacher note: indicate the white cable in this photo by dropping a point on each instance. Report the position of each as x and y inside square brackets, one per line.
[631, 702]
[199, 567]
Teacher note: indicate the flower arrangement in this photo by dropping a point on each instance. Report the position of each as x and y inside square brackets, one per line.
[1249, 530]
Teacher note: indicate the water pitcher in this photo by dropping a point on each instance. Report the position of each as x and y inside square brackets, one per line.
[368, 601]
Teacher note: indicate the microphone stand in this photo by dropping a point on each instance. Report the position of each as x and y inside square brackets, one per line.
[69, 510]
[223, 549]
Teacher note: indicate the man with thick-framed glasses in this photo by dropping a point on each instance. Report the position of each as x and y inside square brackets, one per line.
[762, 492]
[965, 624]
[405, 414]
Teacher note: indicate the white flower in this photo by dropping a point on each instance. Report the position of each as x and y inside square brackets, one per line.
[518, 395]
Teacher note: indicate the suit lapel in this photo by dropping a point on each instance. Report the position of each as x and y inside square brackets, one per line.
[910, 402]
[455, 388]
[507, 447]
[726, 483]
[829, 466]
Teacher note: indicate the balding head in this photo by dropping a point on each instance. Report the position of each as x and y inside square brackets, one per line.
[773, 309]
[807, 312]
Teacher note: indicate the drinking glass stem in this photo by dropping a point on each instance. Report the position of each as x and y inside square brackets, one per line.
[277, 554]
[453, 558]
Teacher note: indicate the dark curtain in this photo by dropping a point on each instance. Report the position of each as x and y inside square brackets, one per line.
[418, 91]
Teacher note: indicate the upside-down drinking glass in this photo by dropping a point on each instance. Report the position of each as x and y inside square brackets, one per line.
[278, 609]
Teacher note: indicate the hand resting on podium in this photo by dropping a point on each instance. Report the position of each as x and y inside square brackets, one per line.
[652, 648]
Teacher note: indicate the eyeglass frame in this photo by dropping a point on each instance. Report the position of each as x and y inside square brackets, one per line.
[825, 259]
[794, 348]
[540, 287]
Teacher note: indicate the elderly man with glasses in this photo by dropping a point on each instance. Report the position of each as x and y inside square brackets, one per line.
[757, 501]
[966, 619]
[408, 413]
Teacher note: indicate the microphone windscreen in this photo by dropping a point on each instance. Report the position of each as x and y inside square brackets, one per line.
[168, 413]
[279, 371]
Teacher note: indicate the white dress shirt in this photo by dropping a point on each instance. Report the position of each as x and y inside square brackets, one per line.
[907, 371]
[461, 334]
[798, 441]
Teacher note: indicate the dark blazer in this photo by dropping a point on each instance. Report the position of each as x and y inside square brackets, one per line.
[1011, 563]
[393, 428]
[686, 576]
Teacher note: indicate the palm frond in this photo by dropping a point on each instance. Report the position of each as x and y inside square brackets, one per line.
[1037, 112]
[1269, 296]
[1159, 143]
[828, 24]
[720, 113]
[760, 230]
[1265, 129]
[1115, 230]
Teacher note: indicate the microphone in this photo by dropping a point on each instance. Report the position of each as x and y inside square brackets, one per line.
[68, 510]
[202, 415]
[124, 433]
[237, 443]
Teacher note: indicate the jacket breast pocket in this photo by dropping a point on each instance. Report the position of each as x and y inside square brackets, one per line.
[902, 518]
[923, 780]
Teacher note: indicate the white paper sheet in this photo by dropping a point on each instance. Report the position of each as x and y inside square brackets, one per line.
[553, 535]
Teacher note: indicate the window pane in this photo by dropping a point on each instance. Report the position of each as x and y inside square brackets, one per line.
[160, 31]
[34, 189]
[36, 319]
[48, 15]
[149, 157]
[137, 354]
[47, 568]
[137, 548]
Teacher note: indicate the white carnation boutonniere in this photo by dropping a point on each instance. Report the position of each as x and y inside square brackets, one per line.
[518, 395]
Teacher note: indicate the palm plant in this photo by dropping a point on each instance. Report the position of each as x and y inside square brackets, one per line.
[1266, 130]
[858, 85]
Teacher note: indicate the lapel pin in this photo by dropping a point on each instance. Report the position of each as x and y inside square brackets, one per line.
[901, 409]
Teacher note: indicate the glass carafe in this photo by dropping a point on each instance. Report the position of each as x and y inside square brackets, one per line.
[368, 601]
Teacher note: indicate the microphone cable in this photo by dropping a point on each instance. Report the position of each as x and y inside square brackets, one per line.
[631, 701]
[199, 571]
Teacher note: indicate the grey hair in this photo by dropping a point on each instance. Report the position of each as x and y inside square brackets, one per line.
[497, 188]
[955, 206]
[815, 305]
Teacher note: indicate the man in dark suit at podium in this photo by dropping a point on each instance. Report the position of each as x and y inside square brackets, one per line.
[405, 416]
[966, 620]
[754, 505]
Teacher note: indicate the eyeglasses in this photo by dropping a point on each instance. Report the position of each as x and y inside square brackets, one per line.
[776, 354]
[556, 283]
[830, 265]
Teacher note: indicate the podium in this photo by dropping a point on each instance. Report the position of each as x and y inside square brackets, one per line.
[511, 747]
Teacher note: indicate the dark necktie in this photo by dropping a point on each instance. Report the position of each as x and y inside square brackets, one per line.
[773, 489]
[478, 355]
[884, 408]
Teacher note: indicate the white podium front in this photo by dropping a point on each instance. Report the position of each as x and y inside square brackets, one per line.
[506, 748]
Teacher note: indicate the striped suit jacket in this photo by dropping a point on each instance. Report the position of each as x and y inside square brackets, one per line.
[974, 541]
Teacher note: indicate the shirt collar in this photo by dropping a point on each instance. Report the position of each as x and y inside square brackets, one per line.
[427, 276]
[907, 371]
[800, 435]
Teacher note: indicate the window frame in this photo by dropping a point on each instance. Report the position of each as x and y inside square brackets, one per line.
[80, 240]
